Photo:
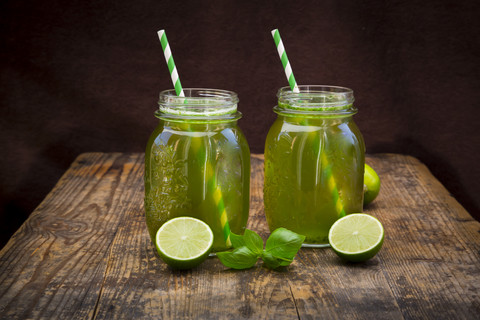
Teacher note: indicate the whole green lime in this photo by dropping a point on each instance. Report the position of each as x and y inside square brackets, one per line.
[371, 185]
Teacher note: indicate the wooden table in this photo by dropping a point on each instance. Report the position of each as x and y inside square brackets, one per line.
[84, 253]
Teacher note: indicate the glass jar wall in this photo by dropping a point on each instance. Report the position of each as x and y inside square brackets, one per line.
[314, 162]
[197, 163]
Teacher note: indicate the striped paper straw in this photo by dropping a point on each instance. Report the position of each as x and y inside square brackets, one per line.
[332, 185]
[170, 63]
[286, 64]
[217, 194]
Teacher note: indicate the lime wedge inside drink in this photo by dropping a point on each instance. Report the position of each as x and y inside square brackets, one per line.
[184, 242]
[356, 237]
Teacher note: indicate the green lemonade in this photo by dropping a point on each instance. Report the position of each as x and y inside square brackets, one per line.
[314, 162]
[197, 164]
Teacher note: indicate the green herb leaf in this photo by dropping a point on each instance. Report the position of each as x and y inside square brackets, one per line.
[280, 249]
[239, 258]
[274, 262]
[270, 261]
[284, 244]
[237, 240]
[253, 241]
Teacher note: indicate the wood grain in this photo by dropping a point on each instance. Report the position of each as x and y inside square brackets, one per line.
[85, 253]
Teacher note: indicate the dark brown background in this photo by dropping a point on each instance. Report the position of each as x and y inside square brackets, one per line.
[80, 76]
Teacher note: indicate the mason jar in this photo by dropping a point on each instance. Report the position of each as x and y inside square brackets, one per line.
[197, 163]
[314, 162]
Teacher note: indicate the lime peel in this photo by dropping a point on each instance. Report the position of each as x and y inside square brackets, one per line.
[371, 185]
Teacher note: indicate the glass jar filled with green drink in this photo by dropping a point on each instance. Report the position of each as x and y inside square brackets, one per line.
[314, 162]
[197, 163]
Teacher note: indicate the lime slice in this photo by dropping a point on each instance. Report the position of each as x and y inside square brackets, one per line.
[371, 185]
[184, 242]
[356, 237]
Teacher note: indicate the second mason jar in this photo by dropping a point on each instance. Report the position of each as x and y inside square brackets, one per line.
[314, 162]
[197, 163]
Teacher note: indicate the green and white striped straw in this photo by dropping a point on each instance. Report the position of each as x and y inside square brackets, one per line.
[211, 180]
[283, 57]
[171, 64]
[332, 185]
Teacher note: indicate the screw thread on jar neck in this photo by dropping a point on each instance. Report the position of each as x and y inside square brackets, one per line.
[198, 104]
[316, 100]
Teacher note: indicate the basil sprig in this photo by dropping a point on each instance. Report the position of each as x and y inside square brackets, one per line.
[280, 249]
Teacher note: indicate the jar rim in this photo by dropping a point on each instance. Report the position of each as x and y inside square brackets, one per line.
[199, 104]
[316, 100]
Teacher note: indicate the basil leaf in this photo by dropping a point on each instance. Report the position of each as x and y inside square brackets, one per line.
[239, 258]
[284, 244]
[270, 261]
[253, 241]
[237, 240]
[274, 262]
[284, 262]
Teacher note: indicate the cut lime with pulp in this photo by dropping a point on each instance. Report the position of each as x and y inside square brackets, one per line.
[356, 237]
[371, 185]
[184, 242]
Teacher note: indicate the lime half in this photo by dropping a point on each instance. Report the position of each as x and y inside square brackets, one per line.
[356, 237]
[184, 242]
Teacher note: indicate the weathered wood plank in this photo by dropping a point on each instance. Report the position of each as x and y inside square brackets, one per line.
[145, 287]
[85, 253]
[54, 265]
[432, 245]
[326, 288]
